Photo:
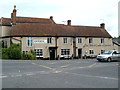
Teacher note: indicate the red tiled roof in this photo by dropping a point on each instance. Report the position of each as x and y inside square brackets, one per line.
[5, 21]
[34, 20]
[37, 29]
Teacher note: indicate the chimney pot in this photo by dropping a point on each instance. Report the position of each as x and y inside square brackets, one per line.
[69, 22]
[102, 25]
[51, 17]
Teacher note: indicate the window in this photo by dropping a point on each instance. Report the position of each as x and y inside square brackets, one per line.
[24, 52]
[2, 44]
[65, 40]
[79, 40]
[49, 40]
[90, 40]
[65, 51]
[102, 51]
[91, 52]
[102, 40]
[39, 52]
[29, 41]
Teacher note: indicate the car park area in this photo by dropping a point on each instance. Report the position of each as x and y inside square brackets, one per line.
[79, 73]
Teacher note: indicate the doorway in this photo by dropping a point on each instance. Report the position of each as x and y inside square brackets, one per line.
[52, 52]
[79, 53]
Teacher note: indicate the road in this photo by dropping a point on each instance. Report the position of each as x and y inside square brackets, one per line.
[59, 74]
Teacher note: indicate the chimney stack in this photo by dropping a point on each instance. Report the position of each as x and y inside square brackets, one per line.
[69, 22]
[13, 16]
[102, 25]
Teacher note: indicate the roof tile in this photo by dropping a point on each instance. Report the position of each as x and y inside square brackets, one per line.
[5, 21]
[37, 29]
[34, 20]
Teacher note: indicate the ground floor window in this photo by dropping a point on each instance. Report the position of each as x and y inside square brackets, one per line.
[91, 52]
[102, 51]
[39, 52]
[24, 52]
[4, 44]
[65, 51]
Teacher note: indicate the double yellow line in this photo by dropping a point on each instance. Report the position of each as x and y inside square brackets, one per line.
[44, 66]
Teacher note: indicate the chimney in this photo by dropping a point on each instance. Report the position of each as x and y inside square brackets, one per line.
[102, 25]
[69, 22]
[51, 17]
[13, 16]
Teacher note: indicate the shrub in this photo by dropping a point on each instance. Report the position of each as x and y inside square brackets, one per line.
[13, 52]
[5, 53]
[29, 56]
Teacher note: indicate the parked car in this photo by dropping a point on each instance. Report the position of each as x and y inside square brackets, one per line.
[109, 56]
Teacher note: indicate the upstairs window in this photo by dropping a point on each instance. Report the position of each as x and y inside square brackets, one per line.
[90, 40]
[79, 40]
[102, 40]
[65, 40]
[49, 40]
[29, 41]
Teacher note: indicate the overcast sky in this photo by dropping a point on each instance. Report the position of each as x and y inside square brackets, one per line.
[80, 12]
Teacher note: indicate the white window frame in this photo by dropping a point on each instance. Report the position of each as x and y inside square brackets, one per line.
[65, 51]
[79, 40]
[39, 52]
[102, 40]
[91, 52]
[65, 40]
[49, 40]
[90, 40]
[24, 52]
[29, 41]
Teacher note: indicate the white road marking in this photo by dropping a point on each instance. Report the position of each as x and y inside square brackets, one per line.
[84, 75]
[92, 65]
[57, 71]
[65, 66]
[3, 76]
[30, 74]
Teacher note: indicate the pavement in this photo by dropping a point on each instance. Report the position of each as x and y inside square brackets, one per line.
[59, 74]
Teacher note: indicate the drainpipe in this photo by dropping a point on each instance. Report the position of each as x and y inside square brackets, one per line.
[56, 46]
[74, 47]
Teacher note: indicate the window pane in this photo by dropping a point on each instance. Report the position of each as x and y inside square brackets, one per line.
[65, 40]
[49, 40]
[102, 40]
[79, 40]
[39, 52]
[90, 40]
[91, 51]
[65, 51]
[29, 41]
